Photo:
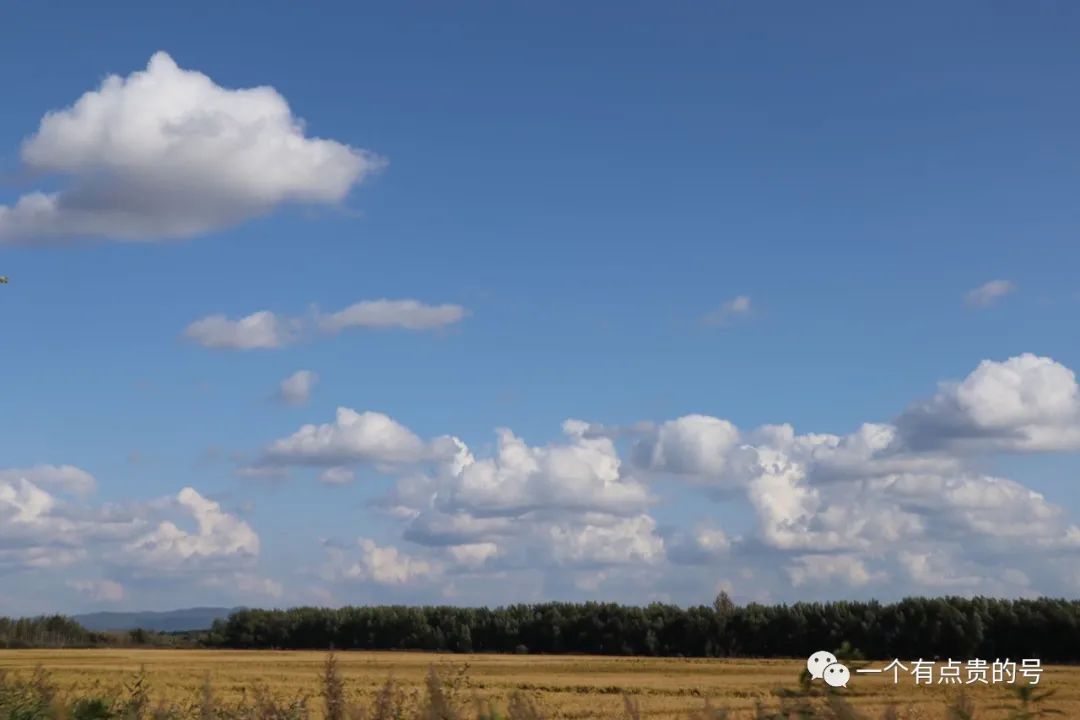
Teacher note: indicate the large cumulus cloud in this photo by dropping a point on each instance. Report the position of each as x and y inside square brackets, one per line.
[168, 153]
[1027, 403]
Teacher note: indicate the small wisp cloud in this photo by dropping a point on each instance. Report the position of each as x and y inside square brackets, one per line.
[266, 330]
[731, 310]
[990, 293]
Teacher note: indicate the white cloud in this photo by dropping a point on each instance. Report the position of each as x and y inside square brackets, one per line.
[259, 331]
[712, 540]
[582, 474]
[296, 389]
[384, 565]
[98, 590]
[267, 330]
[218, 536]
[168, 153]
[700, 546]
[989, 293]
[622, 540]
[67, 478]
[546, 541]
[39, 529]
[458, 528]
[849, 570]
[785, 503]
[802, 505]
[405, 314]
[566, 504]
[691, 445]
[139, 547]
[352, 438]
[473, 555]
[1026, 403]
[934, 569]
[840, 507]
[868, 511]
[732, 309]
[833, 507]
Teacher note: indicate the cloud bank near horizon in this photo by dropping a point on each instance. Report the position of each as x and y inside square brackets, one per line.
[878, 511]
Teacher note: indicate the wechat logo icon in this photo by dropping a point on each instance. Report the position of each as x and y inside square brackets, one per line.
[824, 666]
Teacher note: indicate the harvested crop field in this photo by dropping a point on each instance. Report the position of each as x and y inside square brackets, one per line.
[563, 686]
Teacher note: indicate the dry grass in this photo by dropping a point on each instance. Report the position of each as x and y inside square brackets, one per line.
[557, 686]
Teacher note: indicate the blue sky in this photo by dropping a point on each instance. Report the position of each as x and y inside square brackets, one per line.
[674, 222]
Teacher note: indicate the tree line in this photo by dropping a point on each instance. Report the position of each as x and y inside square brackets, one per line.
[949, 627]
[930, 628]
[46, 632]
[59, 631]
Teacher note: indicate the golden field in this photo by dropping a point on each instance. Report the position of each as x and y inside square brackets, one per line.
[563, 686]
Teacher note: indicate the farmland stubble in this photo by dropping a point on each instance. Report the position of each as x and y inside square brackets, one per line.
[564, 686]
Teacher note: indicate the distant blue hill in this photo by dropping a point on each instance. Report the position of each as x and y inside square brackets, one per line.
[171, 621]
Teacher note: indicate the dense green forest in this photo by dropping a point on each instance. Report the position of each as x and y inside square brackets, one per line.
[952, 627]
[960, 628]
